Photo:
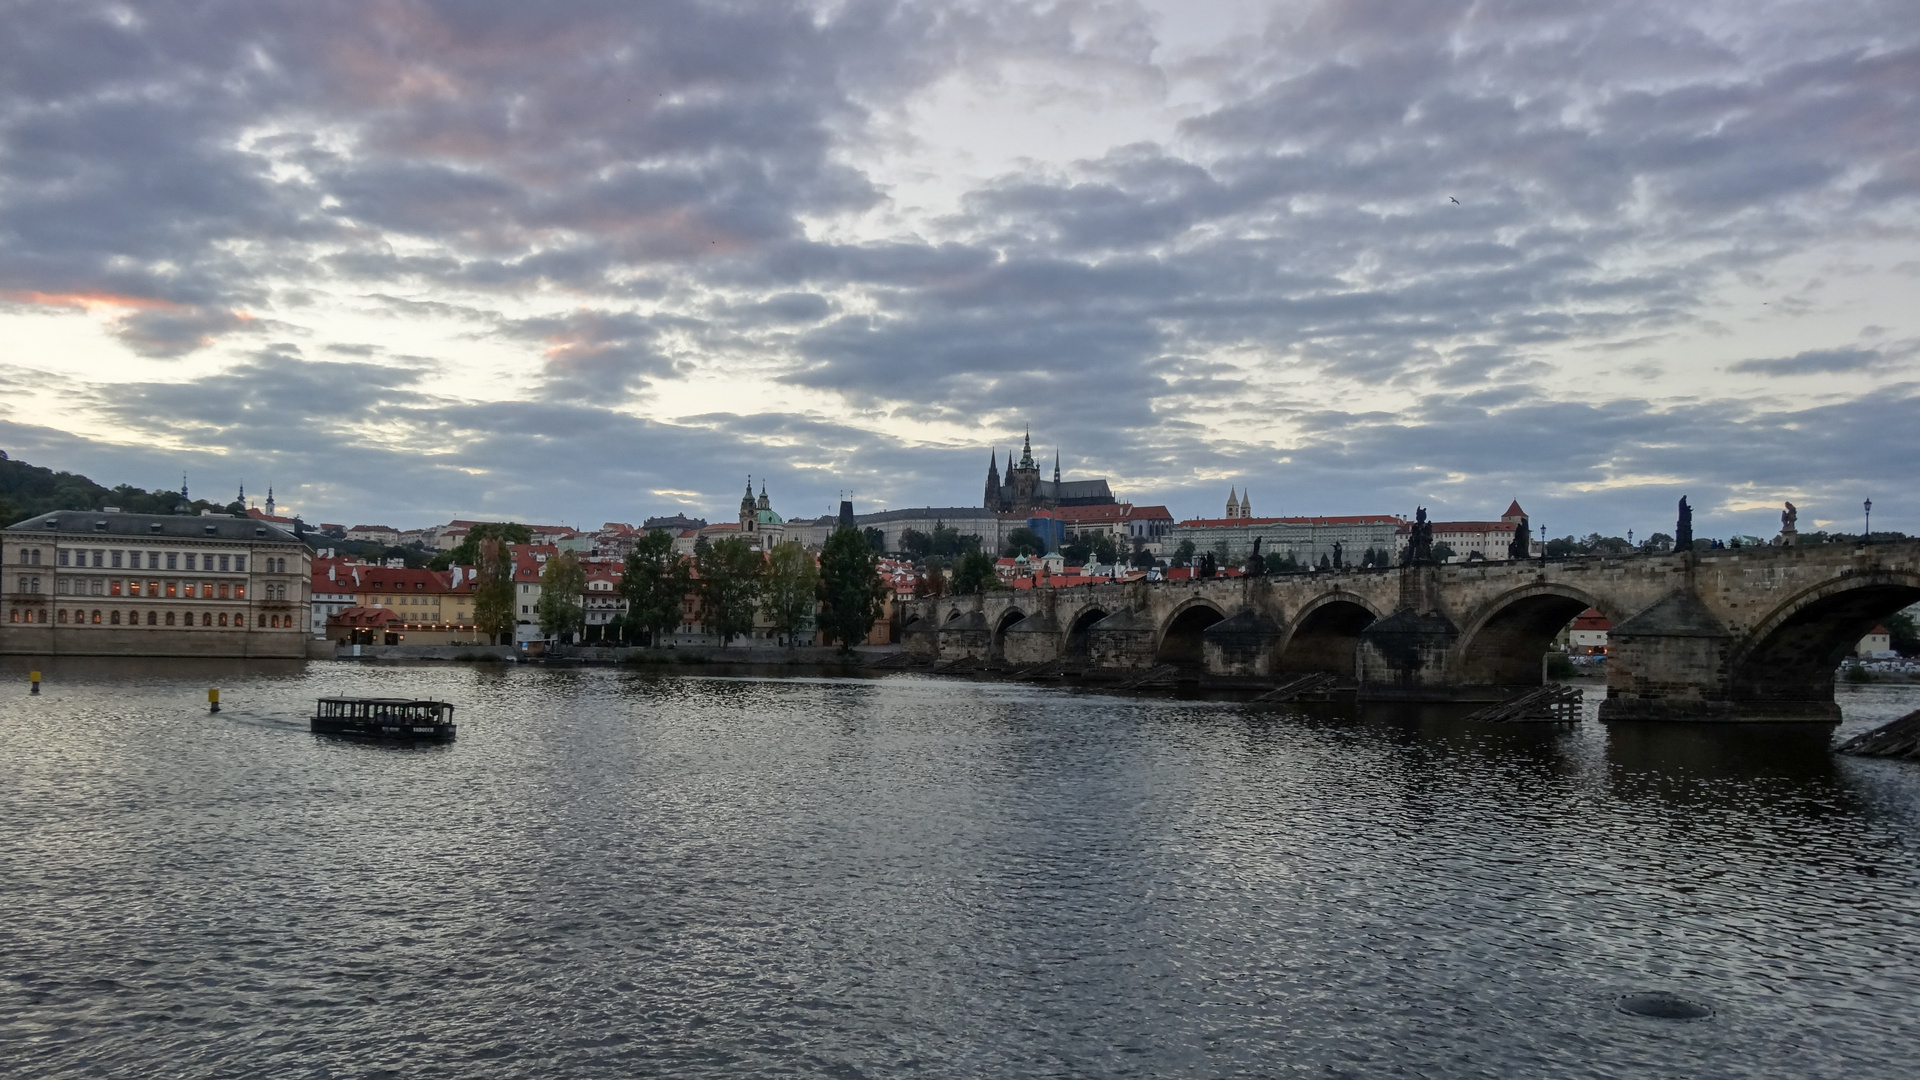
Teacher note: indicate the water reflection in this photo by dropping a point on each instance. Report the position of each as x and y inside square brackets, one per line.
[635, 873]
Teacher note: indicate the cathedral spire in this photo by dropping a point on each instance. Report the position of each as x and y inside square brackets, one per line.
[1026, 451]
[1233, 502]
[1056, 468]
[992, 499]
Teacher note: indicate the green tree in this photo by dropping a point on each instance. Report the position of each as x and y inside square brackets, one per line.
[1023, 541]
[1280, 562]
[562, 581]
[493, 592]
[1904, 634]
[915, 543]
[1183, 555]
[507, 532]
[876, 539]
[1442, 551]
[975, 574]
[731, 573]
[933, 580]
[850, 588]
[792, 589]
[1144, 560]
[655, 583]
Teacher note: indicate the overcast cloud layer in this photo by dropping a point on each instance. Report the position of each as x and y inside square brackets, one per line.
[594, 261]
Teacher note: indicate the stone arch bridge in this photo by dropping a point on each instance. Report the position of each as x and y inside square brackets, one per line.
[1742, 633]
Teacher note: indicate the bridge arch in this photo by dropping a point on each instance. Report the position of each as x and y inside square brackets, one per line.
[998, 646]
[1325, 634]
[1079, 642]
[1791, 654]
[1180, 641]
[1505, 640]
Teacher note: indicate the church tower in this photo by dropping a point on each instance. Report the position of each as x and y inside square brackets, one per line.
[1233, 503]
[1056, 472]
[1024, 479]
[269, 500]
[992, 501]
[748, 512]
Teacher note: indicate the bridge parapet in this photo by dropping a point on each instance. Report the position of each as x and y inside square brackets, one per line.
[1738, 632]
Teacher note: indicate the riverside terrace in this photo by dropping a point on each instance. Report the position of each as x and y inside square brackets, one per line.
[1742, 633]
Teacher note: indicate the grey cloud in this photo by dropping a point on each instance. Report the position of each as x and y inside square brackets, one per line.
[171, 332]
[1811, 362]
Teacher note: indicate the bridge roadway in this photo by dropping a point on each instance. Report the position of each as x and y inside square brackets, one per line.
[1736, 634]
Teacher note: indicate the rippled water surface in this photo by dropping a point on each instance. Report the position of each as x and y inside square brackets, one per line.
[618, 875]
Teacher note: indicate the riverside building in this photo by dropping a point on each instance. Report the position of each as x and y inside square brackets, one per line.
[104, 583]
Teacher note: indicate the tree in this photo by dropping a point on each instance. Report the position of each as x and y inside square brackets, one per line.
[876, 539]
[1657, 542]
[507, 532]
[850, 588]
[1023, 541]
[933, 580]
[792, 589]
[1442, 551]
[493, 591]
[949, 544]
[975, 574]
[1281, 562]
[562, 581]
[1905, 635]
[916, 543]
[731, 573]
[1183, 555]
[655, 582]
[1144, 560]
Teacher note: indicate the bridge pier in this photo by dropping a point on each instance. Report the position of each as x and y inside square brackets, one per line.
[1748, 633]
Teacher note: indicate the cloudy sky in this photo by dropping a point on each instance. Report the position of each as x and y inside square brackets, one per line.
[579, 262]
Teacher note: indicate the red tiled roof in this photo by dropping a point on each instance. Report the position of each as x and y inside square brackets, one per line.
[1591, 619]
[364, 616]
[1350, 519]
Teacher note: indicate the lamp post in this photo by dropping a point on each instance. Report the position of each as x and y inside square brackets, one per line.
[1629, 541]
[1543, 545]
[1868, 537]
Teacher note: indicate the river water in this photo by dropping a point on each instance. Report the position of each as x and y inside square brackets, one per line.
[611, 874]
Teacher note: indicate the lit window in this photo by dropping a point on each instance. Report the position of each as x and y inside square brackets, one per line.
[96, 617]
[133, 588]
[113, 587]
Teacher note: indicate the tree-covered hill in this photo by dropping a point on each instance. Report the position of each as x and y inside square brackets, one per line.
[26, 490]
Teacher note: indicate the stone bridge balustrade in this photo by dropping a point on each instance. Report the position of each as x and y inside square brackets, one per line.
[1745, 632]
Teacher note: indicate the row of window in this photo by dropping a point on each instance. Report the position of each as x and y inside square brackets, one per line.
[205, 590]
[117, 558]
[153, 618]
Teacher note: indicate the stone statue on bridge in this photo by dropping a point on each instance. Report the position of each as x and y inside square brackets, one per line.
[1420, 539]
[1789, 526]
[1683, 528]
[1257, 563]
[1338, 559]
[1521, 546]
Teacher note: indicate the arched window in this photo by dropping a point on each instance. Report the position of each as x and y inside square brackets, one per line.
[153, 617]
[16, 615]
[169, 618]
[223, 618]
[63, 614]
[263, 620]
[115, 618]
[96, 616]
[206, 618]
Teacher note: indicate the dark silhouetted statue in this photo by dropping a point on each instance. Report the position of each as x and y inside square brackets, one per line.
[1522, 542]
[1420, 540]
[1257, 565]
[1683, 528]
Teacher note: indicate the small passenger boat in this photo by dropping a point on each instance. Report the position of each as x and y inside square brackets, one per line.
[385, 718]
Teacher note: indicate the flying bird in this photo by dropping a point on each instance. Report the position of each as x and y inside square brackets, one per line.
[1453, 200]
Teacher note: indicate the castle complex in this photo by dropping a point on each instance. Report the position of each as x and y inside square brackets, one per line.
[1023, 491]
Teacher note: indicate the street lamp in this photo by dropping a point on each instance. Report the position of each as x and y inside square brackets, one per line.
[1868, 505]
